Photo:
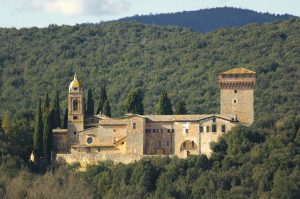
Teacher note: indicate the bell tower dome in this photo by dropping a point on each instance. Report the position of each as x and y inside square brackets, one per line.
[237, 95]
[75, 110]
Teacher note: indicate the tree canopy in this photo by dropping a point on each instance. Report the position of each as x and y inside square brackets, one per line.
[130, 55]
[180, 108]
[134, 102]
[164, 106]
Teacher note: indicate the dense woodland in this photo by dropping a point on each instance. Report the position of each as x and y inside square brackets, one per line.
[124, 56]
[208, 20]
[261, 161]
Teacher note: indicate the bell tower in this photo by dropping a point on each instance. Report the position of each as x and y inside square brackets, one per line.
[75, 110]
[237, 95]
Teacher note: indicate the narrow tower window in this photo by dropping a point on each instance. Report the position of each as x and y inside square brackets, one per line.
[75, 105]
[235, 91]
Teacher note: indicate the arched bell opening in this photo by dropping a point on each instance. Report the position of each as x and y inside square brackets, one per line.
[75, 105]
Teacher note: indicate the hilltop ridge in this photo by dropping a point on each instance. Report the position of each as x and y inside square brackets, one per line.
[208, 20]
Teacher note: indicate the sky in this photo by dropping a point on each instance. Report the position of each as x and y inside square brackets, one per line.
[41, 13]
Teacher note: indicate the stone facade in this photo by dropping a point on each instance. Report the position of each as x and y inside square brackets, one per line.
[97, 138]
[237, 97]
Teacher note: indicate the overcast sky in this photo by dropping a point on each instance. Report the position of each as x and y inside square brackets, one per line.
[41, 13]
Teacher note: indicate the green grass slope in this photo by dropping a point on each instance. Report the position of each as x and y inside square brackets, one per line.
[124, 56]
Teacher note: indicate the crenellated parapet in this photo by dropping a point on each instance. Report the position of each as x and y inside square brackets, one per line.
[237, 78]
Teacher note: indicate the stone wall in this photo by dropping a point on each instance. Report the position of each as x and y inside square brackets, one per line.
[102, 135]
[135, 140]
[238, 102]
[186, 131]
[75, 117]
[207, 135]
[90, 159]
[60, 140]
[159, 138]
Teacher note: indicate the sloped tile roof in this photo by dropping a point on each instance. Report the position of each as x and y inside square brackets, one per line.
[238, 71]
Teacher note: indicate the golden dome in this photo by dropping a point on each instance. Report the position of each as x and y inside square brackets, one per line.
[75, 85]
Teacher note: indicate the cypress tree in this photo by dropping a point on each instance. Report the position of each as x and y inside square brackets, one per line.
[180, 108]
[56, 111]
[106, 108]
[38, 132]
[90, 103]
[134, 102]
[66, 118]
[47, 136]
[46, 106]
[164, 104]
[47, 102]
[103, 98]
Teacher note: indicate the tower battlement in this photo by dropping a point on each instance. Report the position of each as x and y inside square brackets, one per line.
[238, 77]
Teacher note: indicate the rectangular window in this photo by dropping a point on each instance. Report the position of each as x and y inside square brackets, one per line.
[148, 130]
[153, 130]
[161, 130]
[159, 143]
[75, 117]
[207, 129]
[169, 130]
[134, 125]
[214, 119]
[157, 130]
[186, 130]
[193, 144]
[167, 143]
[201, 129]
[173, 131]
[214, 128]
[223, 128]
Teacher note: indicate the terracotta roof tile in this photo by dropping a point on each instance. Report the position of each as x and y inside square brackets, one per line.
[238, 71]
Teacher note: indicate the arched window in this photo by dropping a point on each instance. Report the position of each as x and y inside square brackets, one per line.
[75, 105]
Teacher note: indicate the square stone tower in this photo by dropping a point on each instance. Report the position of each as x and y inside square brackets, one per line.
[237, 96]
[75, 110]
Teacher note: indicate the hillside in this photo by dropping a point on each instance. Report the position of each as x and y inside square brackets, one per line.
[208, 20]
[124, 56]
[261, 161]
